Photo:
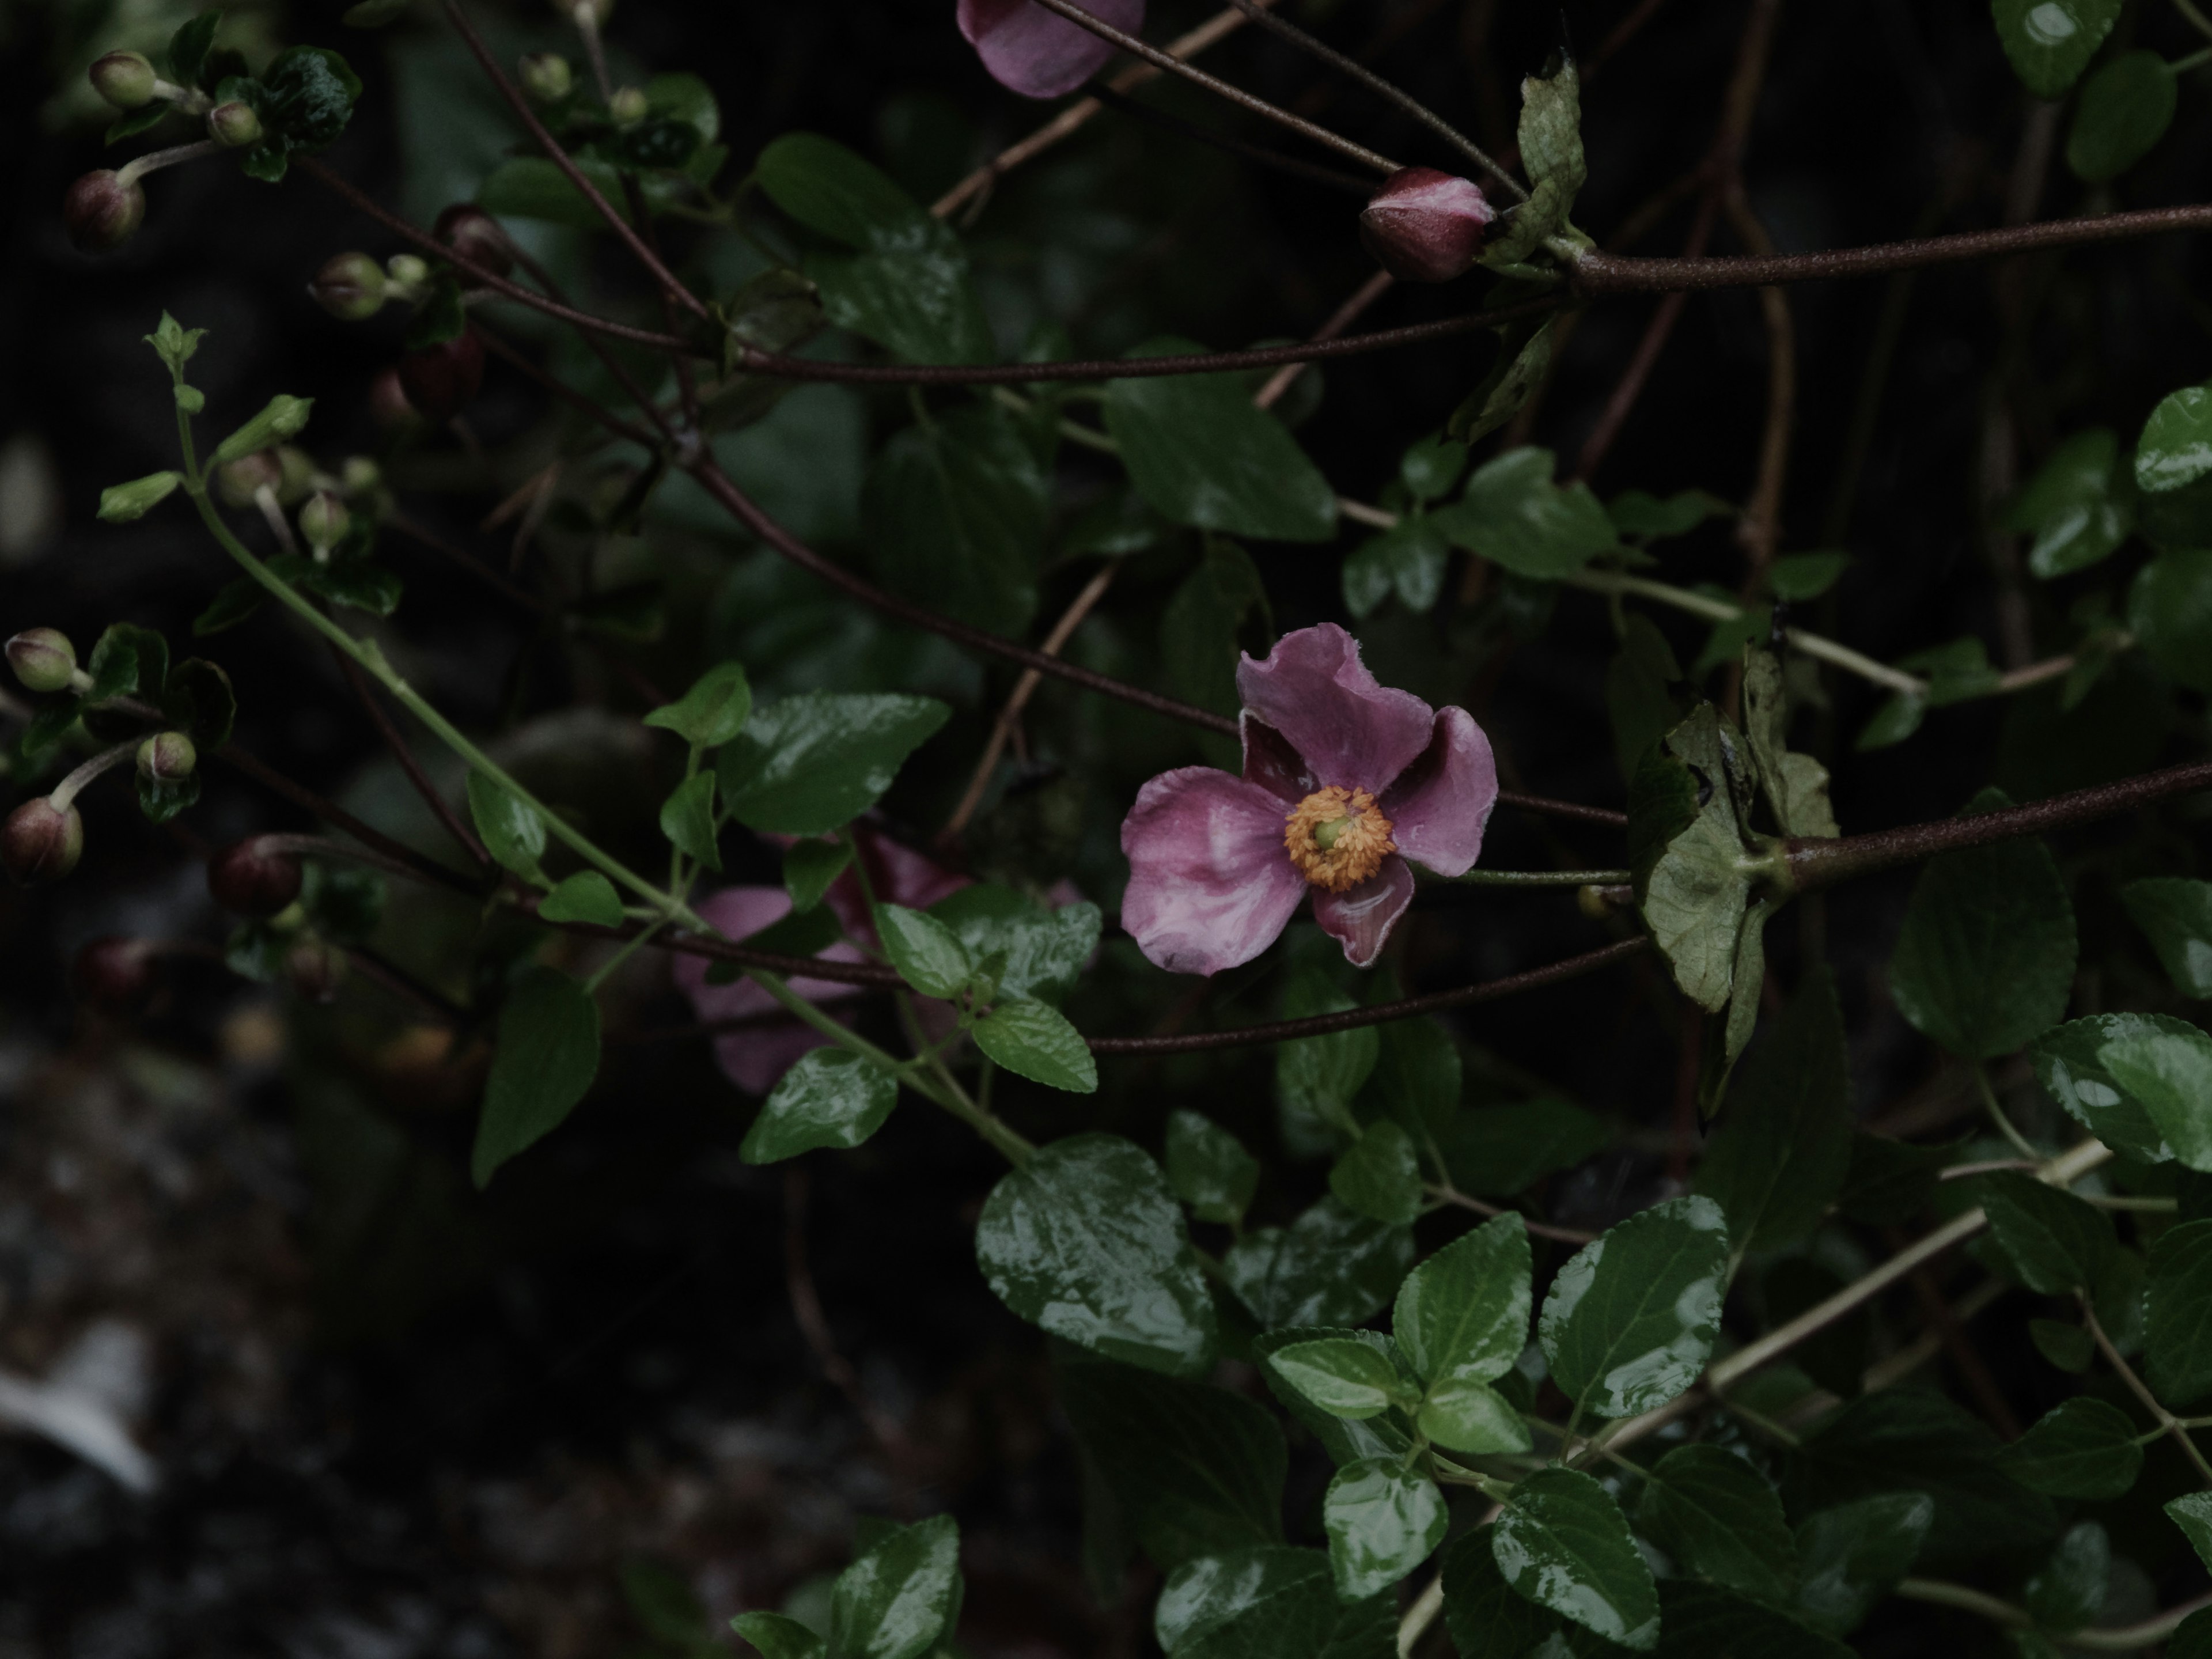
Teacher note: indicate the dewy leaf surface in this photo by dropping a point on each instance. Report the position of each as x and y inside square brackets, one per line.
[2082, 1448]
[815, 761]
[1563, 1543]
[895, 1600]
[1630, 1321]
[2178, 1314]
[1464, 1312]
[1382, 1520]
[1851, 1557]
[1720, 1519]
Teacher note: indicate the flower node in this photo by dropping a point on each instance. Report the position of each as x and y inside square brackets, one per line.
[1337, 838]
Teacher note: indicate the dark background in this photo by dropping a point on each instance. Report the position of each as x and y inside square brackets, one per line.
[396, 1417]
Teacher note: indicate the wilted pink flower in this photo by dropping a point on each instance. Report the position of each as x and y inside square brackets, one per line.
[1037, 52]
[1341, 776]
[1425, 226]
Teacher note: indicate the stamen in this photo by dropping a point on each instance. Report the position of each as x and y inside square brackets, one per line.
[1337, 839]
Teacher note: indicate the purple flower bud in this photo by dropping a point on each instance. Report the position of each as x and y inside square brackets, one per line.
[167, 758]
[238, 480]
[233, 125]
[41, 843]
[440, 380]
[547, 76]
[388, 406]
[350, 286]
[249, 879]
[43, 658]
[102, 210]
[315, 967]
[125, 79]
[477, 237]
[1423, 226]
[112, 974]
[1037, 52]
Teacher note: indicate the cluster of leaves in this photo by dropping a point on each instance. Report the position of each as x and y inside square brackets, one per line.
[304, 97]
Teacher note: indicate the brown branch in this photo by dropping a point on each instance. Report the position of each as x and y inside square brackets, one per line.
[1341, 318]
[1758, 532]
[330, 813]
[553, 386]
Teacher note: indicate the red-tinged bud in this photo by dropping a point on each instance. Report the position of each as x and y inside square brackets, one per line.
[113, 974]
[315, 968]
[237, 482]
[443, 379]
[477, 237]
[388, 406]
[125, 79]
[249, 879]
[168, 758]
[102, 210]
[40, 842]
[350, 287]
[1423, 226]
[233, 125]
[323, 521]
[43, 658]
[547, 76]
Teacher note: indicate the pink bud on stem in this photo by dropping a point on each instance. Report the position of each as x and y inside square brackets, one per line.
[1423, 226]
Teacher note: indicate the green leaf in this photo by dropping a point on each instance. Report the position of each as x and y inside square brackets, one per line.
[2192, 1639]
[2193, 1515]
[512, 832]
[809, 868]
[531, 187]
[197, 699]
[956, 513]
[1552, 148]
[1888, 1182]
[1330, 1266]
[359, 584]
[1851, 1558]
[1382, 1520]
[1686, 848]
[2175, 449]
[1796, 786]
[161, 801]
[1319, 1077]
[2059, 1242]
[687, 819]
[2169, 1074]
[2068, 1062]
[1984, 961]
[2175, 914]
[127, 658]
[1700, 1621]
[1208, 1167]
[2068, 1591]
[1346, 1440]
[123, 503]
[1201, 454]
[1799, 577]
[1514, 515]
[813, 763]
[2178, 1314]
[344, 901]
[1199, 630]
[1563, 1543]
[1044, 950]
[1783, 1148]
[2051, 42]
[233, 602]
[1262, 1604]
[2082, 1448]
[1197, 1469]
[2068, 1347]
[189, 47]
[1035, 1039]
[1432, 465]
[543, 1063]
[778, 1638]
[1210, 1591]
[2079, 505]
[1344, 1376]
[283, 417]
[1892, 723]
[1380, 1176]
[1464, 1415]
[1085, 1240]
[588, 897]
[2169, 609]
[1720, 1519]
[1498, 1151]
[928, 955]
[1408, 560]
[1524, 358]
[896, 1601]
[714, 711]
[1417, 1075]
[1464, 1312]
[136, 122]
[1630, 1321]
[831, 1098]
[1488, 1619]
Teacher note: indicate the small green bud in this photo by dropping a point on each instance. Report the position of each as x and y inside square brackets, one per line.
[238, 482]
[102, 210]
[323, 521]
[407, 269]
[350, 287]
[121, 503]
[41, 842]
[282, 416]
[167, 757]
[125, 79]
[297, 470]
[547, 76]
[235, 125]
[359, 475]
[43, 658]
[627, 107]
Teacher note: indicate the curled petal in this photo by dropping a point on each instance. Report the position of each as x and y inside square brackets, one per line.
[1037, 52]
[754, 1058]
[1314, 690]
[1360, 918]
[1209, 886]
[1270, 762]
[1442, 803]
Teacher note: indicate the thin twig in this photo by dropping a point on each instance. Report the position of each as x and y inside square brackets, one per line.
[1339, 320]
[1542, 1228]
[2164, 1418]
[330, 813]
[440, 806]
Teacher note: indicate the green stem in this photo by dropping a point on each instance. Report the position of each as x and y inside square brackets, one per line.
[2196, 60]
[2126, 1373]
[1017, 1148]
[2026, 1147]
[1480, 878]
[2198, 19]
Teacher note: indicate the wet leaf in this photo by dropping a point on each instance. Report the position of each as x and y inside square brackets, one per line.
[1630, 1321]
[1562, 1542]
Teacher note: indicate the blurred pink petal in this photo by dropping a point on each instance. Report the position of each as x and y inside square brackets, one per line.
[756, 1057]
[1314, 690]
[1270, 762]
[1440, 804]
[1209, 883]
[1037, 52]
[1360, 918]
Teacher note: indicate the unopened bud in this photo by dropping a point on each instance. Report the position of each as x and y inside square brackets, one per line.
[388, 406]
[237, 482]
[296, 473]
[113, 974]
[1423, 226]
[350, 286]
[125, 79]
[250, 880]
[102, 210]
[440, 380]
[547, 76]
[41, 842]
[323, 521]
[167, 758]
[358, 475]
[408, 270]
[477, 237]
[233, 125]
[628, 107]
[43, 658]
[315, 967]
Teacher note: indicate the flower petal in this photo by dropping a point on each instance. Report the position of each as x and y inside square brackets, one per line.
[1314, 690]
[1360, 918]
[1039, 53]
[1209, 886]
[898, 875]
[1270, 762]
[1440, 804]
[756, 1057]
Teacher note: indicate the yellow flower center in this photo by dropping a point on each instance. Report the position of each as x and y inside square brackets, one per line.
[1336, 838]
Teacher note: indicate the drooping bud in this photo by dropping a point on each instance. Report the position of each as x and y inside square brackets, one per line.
[102, 210]
[350, 287]
[323, 521]
[238, 480]
[125, 79]
[1423, 226]
[113, 974]
[235, 125]
[315, 968]
[167, 758]
[358, 475]
[547, 76]
[628, 107]
[41, 842]
[43, 658]
[249, 879]
[388, 406]
[442, 380]
[407, 269]
[477, 237]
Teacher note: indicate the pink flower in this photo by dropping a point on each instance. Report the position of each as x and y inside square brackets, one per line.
[1037, 52]
[1341, 777]
[1423, 226]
